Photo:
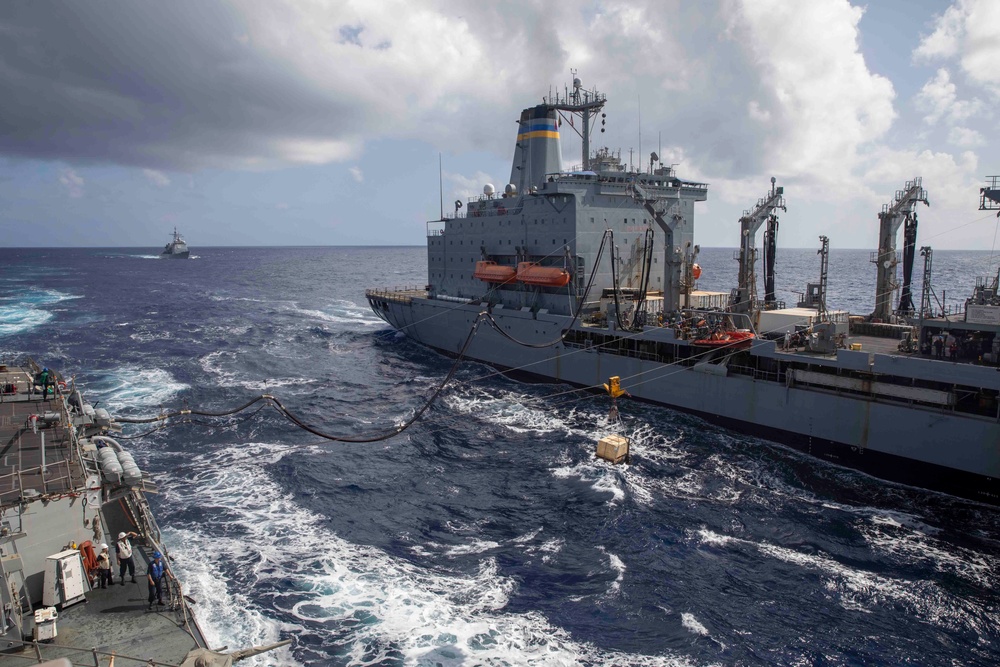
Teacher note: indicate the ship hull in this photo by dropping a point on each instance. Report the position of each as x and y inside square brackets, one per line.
[931, 448]
[175, 255]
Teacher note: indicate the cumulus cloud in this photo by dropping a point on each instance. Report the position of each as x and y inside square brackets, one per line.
[71, 182]
[938, 98]
[951, 181]
[827, 103]
[965, 137]
[946, 39]
[196, 84]
[968, 31]
[157, 178]
[153, 85]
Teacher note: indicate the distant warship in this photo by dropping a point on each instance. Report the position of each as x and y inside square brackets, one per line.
[576, 275]
[176, 249]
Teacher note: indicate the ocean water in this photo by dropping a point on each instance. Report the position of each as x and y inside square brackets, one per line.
[487, 534]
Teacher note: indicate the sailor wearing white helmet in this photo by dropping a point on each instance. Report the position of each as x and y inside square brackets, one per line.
[104, 567]
[123, 548]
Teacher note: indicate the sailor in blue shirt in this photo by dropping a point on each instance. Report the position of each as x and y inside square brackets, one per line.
[155, 579]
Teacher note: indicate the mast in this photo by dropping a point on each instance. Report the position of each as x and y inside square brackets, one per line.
[824, 270]
[584, 103]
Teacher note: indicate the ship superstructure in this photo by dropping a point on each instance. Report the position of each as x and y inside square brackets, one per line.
[590, 272]
[177, 248]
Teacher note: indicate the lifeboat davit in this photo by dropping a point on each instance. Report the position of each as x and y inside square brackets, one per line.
[492, 272]
[531, 273]
[734, 340]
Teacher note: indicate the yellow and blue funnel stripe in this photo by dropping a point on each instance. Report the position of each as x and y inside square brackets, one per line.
[539, 128]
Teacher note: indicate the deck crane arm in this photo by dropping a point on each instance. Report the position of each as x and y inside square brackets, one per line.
[901, 209]
[745, 294]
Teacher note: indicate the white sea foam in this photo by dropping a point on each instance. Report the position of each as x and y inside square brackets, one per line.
[518, 412]
[218, 365]
[597, 474]
[428, 616]
[691, 623]
[911, 542]
[135, 387]
[618, 565]
[28, 309]
[864, 591]
[341, 312]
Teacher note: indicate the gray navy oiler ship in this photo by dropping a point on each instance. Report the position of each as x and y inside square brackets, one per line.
[576, 275]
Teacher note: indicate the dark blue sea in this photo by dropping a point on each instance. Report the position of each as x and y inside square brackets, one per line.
[488, 534]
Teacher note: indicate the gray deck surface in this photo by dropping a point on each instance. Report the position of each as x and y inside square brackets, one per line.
[113, 619]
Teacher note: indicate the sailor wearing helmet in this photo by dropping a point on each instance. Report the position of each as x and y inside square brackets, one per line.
[154, 577]
[123, 548]
[104, 567]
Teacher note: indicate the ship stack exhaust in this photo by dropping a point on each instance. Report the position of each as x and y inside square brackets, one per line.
[537, 152]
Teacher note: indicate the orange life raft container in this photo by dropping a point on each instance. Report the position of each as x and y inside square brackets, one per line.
[531, 273]
[492, 272]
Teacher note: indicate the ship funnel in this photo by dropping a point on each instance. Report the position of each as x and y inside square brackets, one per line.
[537, 151]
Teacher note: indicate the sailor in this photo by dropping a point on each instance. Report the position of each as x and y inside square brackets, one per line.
[788, 340]
[938, 347]
[123, 549]
[154, 577]
[45, 379]
[104, 567]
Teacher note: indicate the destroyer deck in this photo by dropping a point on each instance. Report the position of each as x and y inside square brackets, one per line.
[48, 493]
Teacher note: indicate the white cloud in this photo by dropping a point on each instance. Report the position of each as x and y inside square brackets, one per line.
[965, 137]
[938, 97]
[357, 174]
[72, 182]
[949, 180]
[758, 114]
[466, 187]
[157, 178]
[945, 40]
[827, 106]
[969, 30]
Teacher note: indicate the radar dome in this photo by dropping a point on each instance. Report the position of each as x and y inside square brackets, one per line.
[510, 190]
[488, 190]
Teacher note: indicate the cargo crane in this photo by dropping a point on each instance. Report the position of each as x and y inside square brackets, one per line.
[901, 209]
[744, 298]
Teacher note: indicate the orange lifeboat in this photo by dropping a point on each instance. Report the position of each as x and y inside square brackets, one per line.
[492, 272]
[695, 271]
[733, 340]
[531, 273]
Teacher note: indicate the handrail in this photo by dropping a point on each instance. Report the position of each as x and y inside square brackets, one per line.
[37, 657]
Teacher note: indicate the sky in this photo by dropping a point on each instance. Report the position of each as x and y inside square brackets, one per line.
[322, 122]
